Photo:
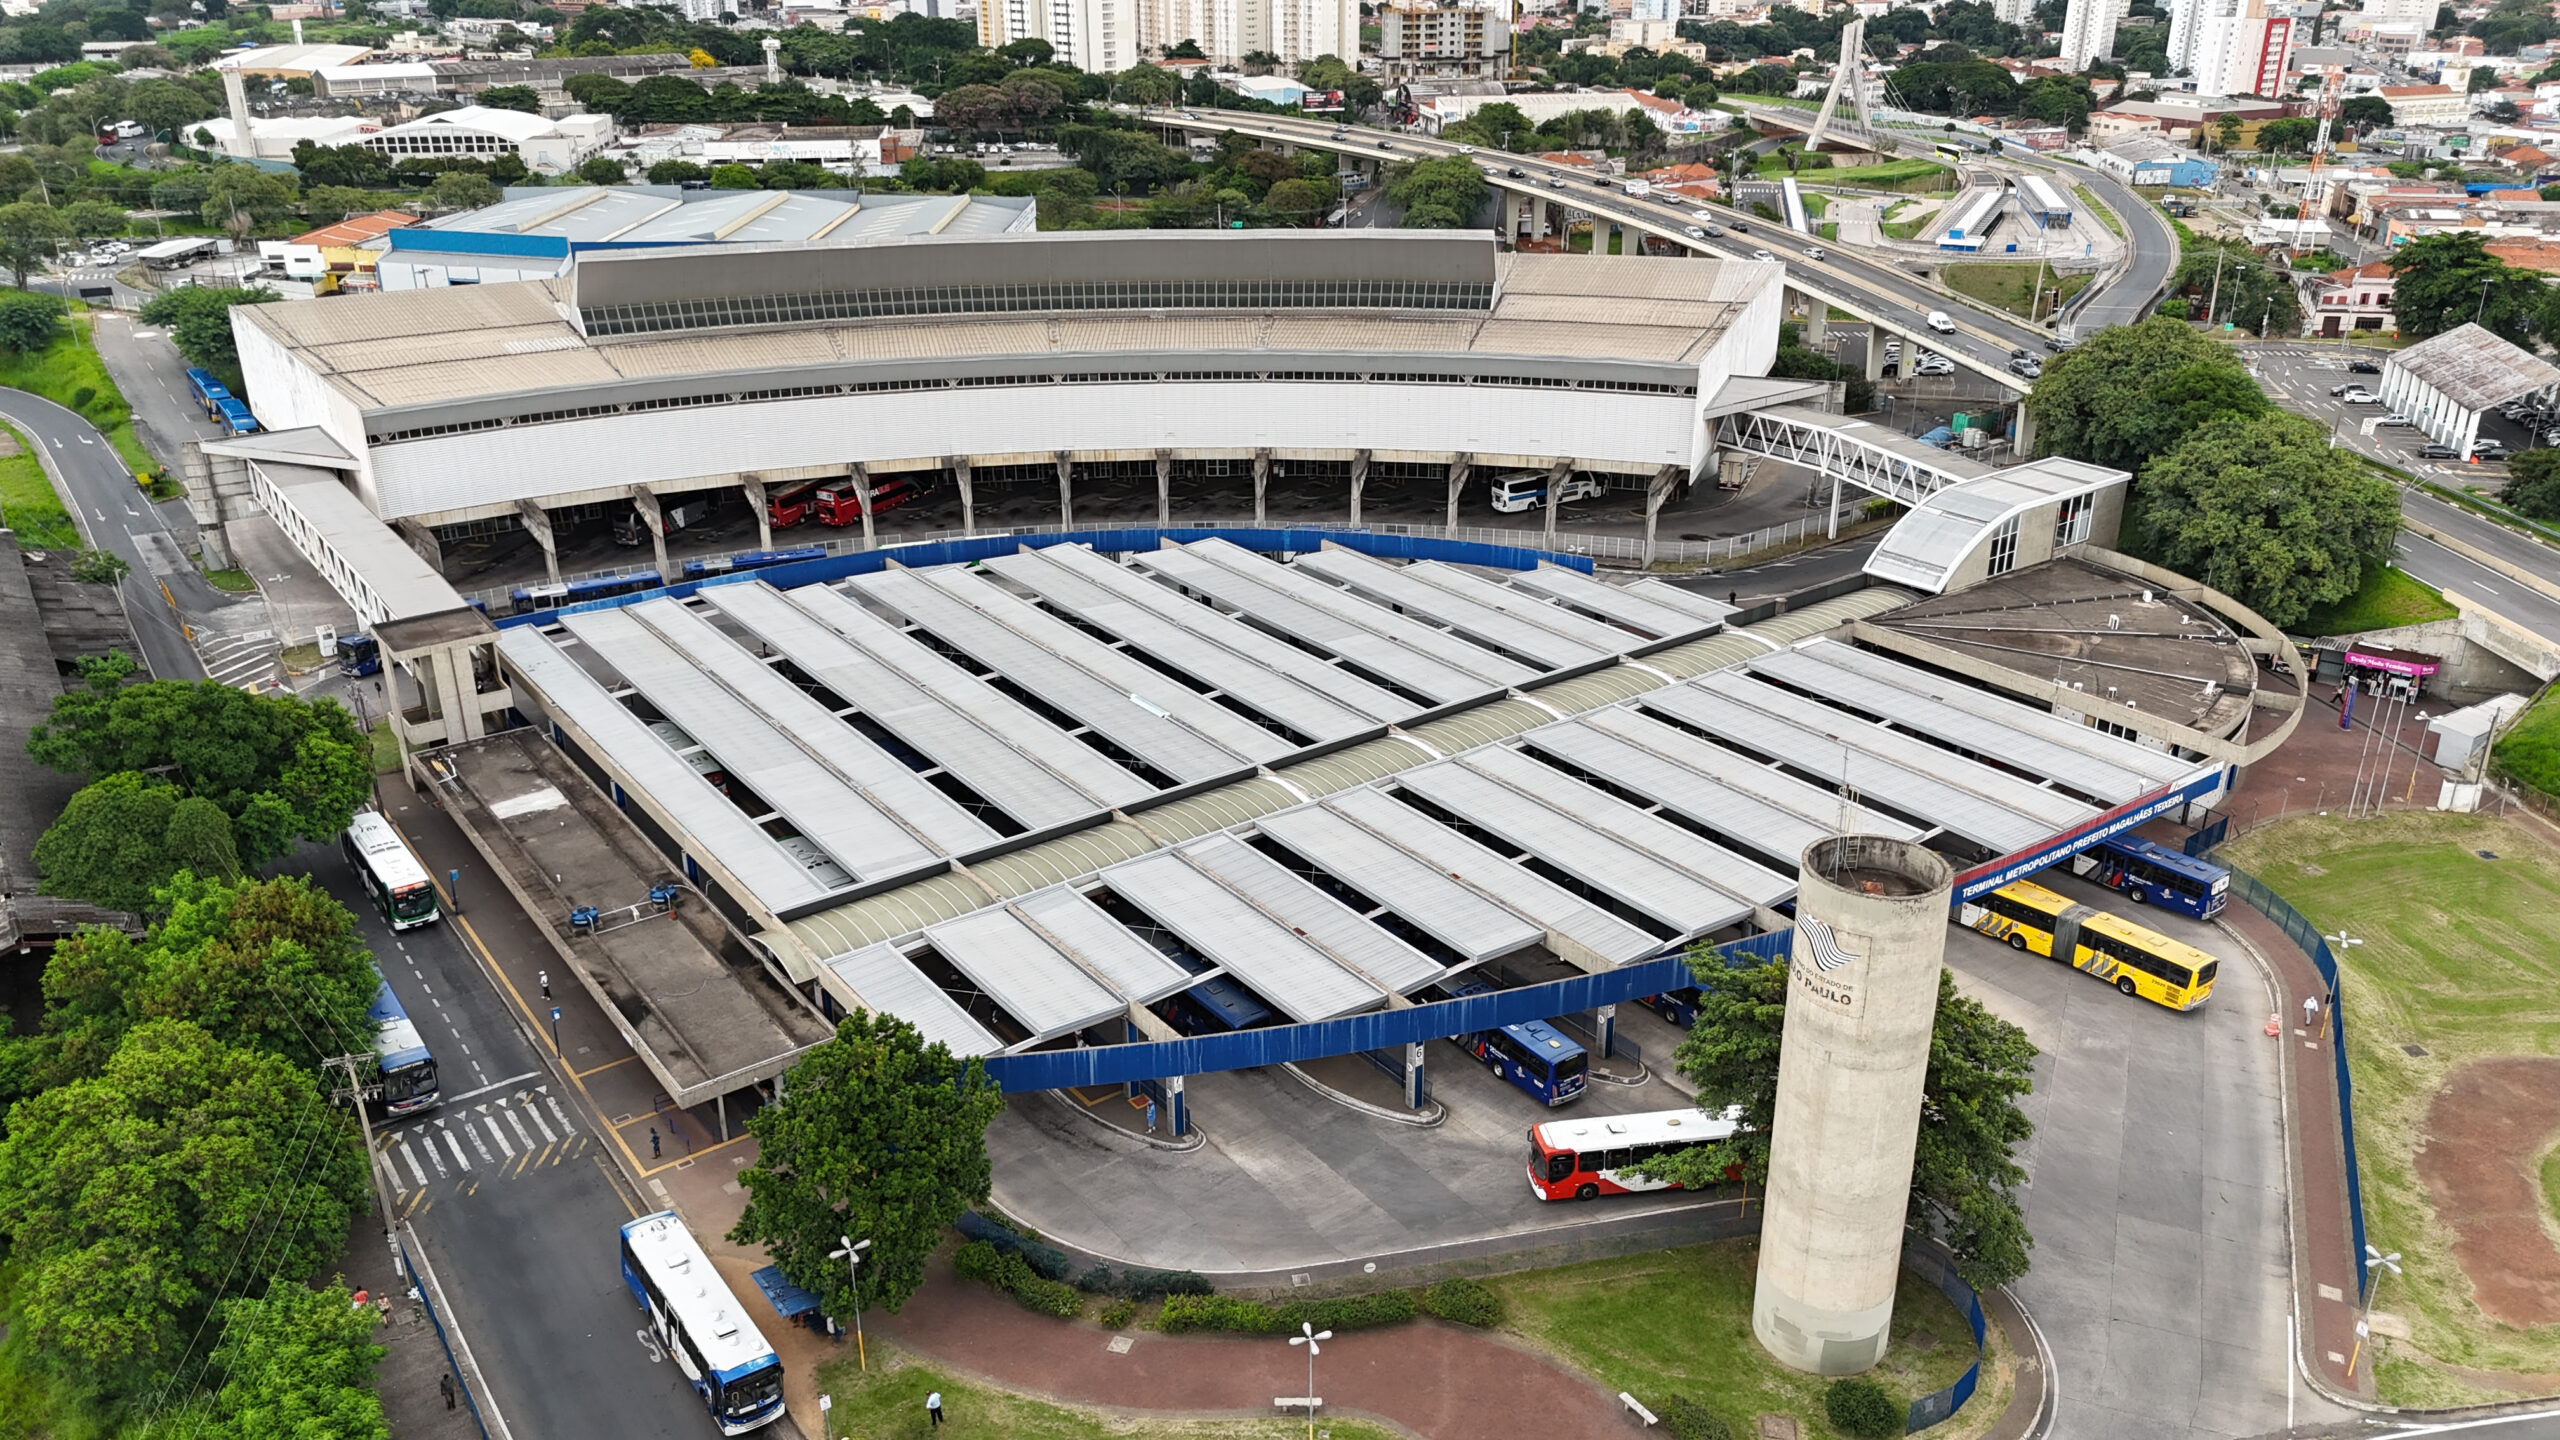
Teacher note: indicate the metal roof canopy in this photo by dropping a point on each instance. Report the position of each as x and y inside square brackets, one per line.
[1276, 693]
[1639, 755]
[1379, 581]
[2474, 367]
[1574, 926]
[866, 840]
[775, 880]
[1731, 873]
[1135, 711]
[2159, 765]
[889, 982]
[884, 779]
[1350, 937]
[1140, 972]
[1929, 543]
[1917, 793]
[1050, 994]
[1809, 668]
[1529, 606]
[957, 698]
[1430, 899]
[1645, 606]
[1677, 899]
[1281, 966]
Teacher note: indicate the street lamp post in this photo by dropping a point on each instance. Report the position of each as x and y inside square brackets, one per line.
[2378, 1263]
[1308, 1336]
[851, 1254]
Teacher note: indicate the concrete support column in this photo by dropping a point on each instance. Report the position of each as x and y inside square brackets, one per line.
[1459, 465]
[654, 520]
[1817, 322]
[968, 493]
[753, 487]
[1164, 487]
[1831, 531]
[1665, 480]
[1177, 1107]
[1417, 1079]
[1359, 481]
[1556, 476]
[537, 523]
[1604, 1024]
[1066, 489]
[1261, 481]
[860, 475]
[1875, 353]
[2026, 441]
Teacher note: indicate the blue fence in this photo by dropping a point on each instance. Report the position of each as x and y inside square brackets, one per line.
[463, 1374]
[1940, 1270]
[2307, 938]
[1276, 539]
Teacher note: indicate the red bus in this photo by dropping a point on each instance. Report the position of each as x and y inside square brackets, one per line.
[1593, 1156]
[787, 508]
[838, 503]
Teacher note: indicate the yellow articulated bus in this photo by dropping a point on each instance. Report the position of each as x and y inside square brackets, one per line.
[2135, 960]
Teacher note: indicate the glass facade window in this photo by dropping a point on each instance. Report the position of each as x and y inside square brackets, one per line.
[2004, 547]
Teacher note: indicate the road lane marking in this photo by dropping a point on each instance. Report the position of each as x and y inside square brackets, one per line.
[493, 1085]
[435, 1157]
[458, 1157]
[539, 1124]
[521, 1132]
[566, 1128]
[412, 1157]
[501, 1137]
[474, 1132]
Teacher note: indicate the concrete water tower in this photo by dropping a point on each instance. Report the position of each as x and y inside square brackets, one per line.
[772, 61]
[1862, 996]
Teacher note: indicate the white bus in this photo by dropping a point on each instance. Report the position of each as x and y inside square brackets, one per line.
[1596, 1155]
[694, 1315]
[391, 875]
[1527, 490]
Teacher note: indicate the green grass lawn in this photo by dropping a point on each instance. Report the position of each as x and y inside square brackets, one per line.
[2388, 597]
[1814, 205]
[1891, 175]
[1921, 213]
[2092, 205]
[235, 581]
[2009, 283]
[28, 504]
[68, 366]
[2530, 750]
[1679, 1321]
[888, 1404]
[2457, 960]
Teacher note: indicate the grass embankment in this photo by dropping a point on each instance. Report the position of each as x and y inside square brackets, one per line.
[2011, 284]
[1814, 205]
[2530, 751]
[888, 1404]
[2389, 597]
[70, 365]
[27, 502]
[1679, 1322]
[2551, 1183]
[1890, 175]
[1919, 212]
[2092, 205]
[2457, 961]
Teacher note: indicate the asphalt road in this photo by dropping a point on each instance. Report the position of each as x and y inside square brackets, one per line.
[153, 376]
[115, 515]
[514, 1198]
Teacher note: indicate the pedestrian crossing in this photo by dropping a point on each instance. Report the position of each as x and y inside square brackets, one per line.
[494, 1139]
[246, 661]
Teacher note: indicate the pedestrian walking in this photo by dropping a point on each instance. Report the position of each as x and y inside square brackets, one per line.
[545, 977]
[653, 1142]
[933, 1407]
[2311, 1013]
[444, 1383]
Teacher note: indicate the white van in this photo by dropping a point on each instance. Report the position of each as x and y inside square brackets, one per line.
[1527, 490]
[1939, 322]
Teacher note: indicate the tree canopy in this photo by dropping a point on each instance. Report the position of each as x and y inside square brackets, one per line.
[297, 1364]
[2445, 281]
[1442, 194]
[198, 318]
[125, 835]
[2261, 508]
[879, 1137]
[2533, 484]
[2130, 392]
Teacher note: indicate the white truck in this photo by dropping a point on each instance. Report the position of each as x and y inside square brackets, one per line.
[1636, 187]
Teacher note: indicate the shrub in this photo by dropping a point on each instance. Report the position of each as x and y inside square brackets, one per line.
[1686, 1418]
[1141, 1284]
[1119, 1313]
[1464, 1301]
[1252, 1317]
[1863, 1408]
[81, 397]
[98, 567]
[976, 1261]
[1049, 1263]
[982, 1261]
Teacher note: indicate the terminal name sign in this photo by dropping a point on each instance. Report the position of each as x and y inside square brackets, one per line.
[1820, 965]
[1981, 881]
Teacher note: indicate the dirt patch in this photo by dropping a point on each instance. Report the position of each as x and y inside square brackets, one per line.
[2488, 1126]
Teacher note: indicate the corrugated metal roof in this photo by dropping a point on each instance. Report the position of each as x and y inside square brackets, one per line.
[1726, 870]
[1463, 918]
[1528, 606]
[1228, 931]
[1926, 545]
[2161, 766]
[777, 882]
[1140, 972]
[2473, 367]
[890, 983]
[1349, 938]
[1483, 623]
[1050, 994]
[1650, 607]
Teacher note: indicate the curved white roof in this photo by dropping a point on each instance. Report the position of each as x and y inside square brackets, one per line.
[1926, 546]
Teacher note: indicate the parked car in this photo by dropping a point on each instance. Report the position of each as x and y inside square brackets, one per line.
[2363, 367]
[2337, 392]
[2488, 450]
[2358, 395]
[1933, 365]
[2437, 452]
[2396, 422]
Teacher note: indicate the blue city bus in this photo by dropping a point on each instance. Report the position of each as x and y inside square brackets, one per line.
[359, 655]
[235, 416]
[578, 592]
[1534, 1055]
[207, 390]
[1680, 1006]
[408, 1072]
[2154, 874]
[751, 560]
[1215, 1006]
[697, 1320]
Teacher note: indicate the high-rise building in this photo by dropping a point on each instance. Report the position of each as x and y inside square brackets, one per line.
[1443, 40]
[1095, 35]
[2230, 47]
[1229, 30]
[2013, 12]
[2089, 31]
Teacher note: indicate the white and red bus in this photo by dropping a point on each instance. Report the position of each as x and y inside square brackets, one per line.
[1586, 1158]
[786, 508]
[839, 503]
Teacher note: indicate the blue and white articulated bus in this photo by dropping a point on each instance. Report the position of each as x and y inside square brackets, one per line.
[409, 1082]
[705, 1331]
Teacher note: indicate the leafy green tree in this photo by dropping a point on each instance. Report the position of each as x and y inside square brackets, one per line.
[602, 170]
[329, 204]
[2130, 392]
[733, 177]
[30, 234]
[95, 567]
[2260, 508]
[948, 175]
[1298, 201]
[95, 219]
[198, 318]
[29, 322]
[880, 1137]
[110, 845]
[1963, 1176]
[2445, 281]
[1123, 162]
[676, 172]
[2292, 134]
[2366, 112]
[512, 97]
[297, 1364]
[1145, 85]
[1442, 194]
[600, 94]
[185, 1172]
[242, 199]
[282, 768]
[2533, 484]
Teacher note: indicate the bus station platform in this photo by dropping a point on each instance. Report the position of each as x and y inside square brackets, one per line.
[559, 843]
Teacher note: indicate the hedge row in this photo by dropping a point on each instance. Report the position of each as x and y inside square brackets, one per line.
[979, 1260]
[1252, 1317]
[1464, 1302]
[1141, 1284]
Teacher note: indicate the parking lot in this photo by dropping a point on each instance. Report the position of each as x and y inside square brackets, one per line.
[2303, 378]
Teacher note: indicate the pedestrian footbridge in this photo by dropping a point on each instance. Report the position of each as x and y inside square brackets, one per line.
[1878, 460]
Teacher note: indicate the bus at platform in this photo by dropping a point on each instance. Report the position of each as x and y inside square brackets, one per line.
[2138, 962]
[397, 883]
[2149, 873]
[1596, 1155]
[697, 1321]
[1536, 1057]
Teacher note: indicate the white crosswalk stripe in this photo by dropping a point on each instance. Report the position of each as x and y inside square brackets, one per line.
[501, 1137]
[435, 1157]
[477, 1143]
[412, 1157]
[521, 1132]
[458, 1157]
[561, 1115]
[540, 1124]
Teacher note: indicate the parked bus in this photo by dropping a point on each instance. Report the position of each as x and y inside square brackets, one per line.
[1213, 1007]
[1527, 490]
[786, 508]
[697, 1320]
[234, 416]
[1533, 1055]
[206, 390]
[391, 875]
[838, 503]
[2154, 874]
[578, 592]
[1587, 1158]
[408, 1070]
[359, 655]
[1680, 1006]
[2136, 961]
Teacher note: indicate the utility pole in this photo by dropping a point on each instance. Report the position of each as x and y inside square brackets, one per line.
[2215, 299]
[354, 1092]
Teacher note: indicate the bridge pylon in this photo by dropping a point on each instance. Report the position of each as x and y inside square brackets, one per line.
[1848, 76]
